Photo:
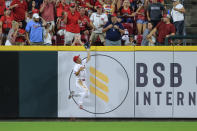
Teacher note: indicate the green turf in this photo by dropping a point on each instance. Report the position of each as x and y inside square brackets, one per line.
[98, 126]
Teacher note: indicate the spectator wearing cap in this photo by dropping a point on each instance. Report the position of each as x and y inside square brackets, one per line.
[164, 28]
[177, 14]
[5, 25]
[48, 13]
[2, 7]
[131, 41]
[97, 21]
[72, 20]
[19, 10]
[155, 12]
[149, 41]
[114, 31]
[34, 30]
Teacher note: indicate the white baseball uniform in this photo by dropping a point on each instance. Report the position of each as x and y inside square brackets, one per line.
[84, 92]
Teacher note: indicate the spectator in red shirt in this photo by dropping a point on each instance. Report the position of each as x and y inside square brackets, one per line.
[72, 20]
[60, 23]
[164, 29]
[5, 25]
[126, 12]
[48, 13]
[61, 27]
[19, 10]
[85, 26]
[2, 7]
[34, 9]
[141, 19]
[61, 6]
[85, 3]
[20, 37]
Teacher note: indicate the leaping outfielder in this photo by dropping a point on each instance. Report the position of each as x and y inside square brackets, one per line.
[80, 73]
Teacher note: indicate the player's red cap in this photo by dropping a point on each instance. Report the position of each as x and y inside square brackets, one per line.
[75, 58]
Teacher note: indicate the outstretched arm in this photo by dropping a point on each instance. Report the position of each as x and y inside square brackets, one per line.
[88, 57]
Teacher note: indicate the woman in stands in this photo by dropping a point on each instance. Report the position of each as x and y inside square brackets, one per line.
[126, 12]
[141, 19]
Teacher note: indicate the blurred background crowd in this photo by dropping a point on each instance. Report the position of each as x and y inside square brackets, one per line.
[99, 22]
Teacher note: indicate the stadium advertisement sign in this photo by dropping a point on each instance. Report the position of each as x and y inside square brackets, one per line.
[141, 84]
[165, 84]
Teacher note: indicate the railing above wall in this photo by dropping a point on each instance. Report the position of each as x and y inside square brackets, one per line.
[179, 37]
[98, 48]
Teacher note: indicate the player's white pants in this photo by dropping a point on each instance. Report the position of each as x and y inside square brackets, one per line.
[84, 92]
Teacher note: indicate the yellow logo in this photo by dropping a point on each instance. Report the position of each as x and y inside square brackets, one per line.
[98, 83]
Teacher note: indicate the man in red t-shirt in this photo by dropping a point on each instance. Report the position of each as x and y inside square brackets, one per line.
[19, 10]
[72, 20]
[48, 13]
[164, 29]
[5, 25]
[61, 6]
[2, 7]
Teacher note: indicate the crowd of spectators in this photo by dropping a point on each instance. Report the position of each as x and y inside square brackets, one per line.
[99, 22]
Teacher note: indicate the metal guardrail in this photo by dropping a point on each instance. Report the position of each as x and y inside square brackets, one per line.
[180, 37]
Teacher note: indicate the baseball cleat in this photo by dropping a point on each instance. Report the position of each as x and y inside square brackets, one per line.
[80, 107]
[71, 94]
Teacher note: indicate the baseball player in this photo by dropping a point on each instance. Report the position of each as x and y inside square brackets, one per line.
[80, 73]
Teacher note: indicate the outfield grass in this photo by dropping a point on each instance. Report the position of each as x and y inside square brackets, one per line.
[98, 126]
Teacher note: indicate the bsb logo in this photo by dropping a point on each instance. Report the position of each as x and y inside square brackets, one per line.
[99, 80]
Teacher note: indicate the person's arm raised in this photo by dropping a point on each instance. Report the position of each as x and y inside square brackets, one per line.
[88, 56]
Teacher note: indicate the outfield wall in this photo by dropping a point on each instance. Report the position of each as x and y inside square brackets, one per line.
[124, 82]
